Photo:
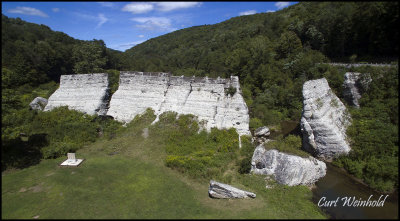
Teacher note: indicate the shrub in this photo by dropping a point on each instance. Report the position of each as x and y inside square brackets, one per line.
[143, 119]
[198, 154]
[57, 149]
[113, 80]
[255, 123]
[290, 144]
[230, 91]
[245, 165]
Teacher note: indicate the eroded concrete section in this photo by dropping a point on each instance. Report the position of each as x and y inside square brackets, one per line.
[87, 93]
[202, 97]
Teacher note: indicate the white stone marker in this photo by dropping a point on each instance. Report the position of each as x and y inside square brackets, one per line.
[71, 161]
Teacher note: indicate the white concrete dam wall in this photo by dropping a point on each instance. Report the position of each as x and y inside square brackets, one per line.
[87, 93]
[203, 97]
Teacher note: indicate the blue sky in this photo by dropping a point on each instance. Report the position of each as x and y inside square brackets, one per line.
[123, 25]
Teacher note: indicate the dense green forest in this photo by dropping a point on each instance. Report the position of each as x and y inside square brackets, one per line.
[272, 53]
[33, 59]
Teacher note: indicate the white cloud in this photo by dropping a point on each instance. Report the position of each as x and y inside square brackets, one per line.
[250, 12]
[281, 5]
[125, 46]
[28, 11]
[270, 11]
[154, 23]
[141, 36]
[102, 19]
[55, 9]
[138, 7]
[107, 4]
[144, 7]
[170, 6]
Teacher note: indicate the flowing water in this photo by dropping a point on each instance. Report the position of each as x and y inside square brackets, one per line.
[338, 184]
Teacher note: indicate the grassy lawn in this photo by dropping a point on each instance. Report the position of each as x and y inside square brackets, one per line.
[126, 177]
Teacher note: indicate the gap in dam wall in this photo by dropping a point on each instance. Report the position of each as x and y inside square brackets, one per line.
[206, 98]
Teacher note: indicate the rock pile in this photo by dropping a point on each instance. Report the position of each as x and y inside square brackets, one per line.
[261, 134]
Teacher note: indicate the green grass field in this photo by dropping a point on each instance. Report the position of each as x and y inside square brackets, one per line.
[126, 177]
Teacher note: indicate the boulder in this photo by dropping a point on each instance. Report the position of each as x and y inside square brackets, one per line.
[286, 168]
[353, 86]
[38, 103]
[224, 191]
[260, 135]
[262, 132]
[324, 121]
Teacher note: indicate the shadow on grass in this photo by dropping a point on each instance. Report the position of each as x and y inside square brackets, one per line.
[20, 154]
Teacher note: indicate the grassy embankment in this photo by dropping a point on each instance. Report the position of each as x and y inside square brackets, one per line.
[127, 177]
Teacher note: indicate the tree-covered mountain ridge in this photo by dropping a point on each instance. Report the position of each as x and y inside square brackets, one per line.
[344, 31]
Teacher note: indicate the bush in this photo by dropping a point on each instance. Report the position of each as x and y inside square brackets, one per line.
[245, 165]
[196, 153]
[113, 80]
[290, 144]
[255, 123]
[141, 120]
[51, 134]
[57, 149]
[230, 91]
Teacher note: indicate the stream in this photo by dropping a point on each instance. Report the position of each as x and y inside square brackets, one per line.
[339, 184]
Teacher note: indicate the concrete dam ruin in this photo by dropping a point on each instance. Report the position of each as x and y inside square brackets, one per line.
[87, 93]
[216, 101]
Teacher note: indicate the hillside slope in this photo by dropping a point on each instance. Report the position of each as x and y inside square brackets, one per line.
[131, 176]
[36, 54]
[337, 29]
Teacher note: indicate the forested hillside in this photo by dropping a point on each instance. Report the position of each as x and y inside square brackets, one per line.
[35, 54]
[33, 59]
[337, 29]
[272, 53]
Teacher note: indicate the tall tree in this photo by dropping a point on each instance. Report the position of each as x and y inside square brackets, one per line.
[89, 57]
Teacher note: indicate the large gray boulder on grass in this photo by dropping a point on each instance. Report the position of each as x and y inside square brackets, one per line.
[287, 169]
[224, 191]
